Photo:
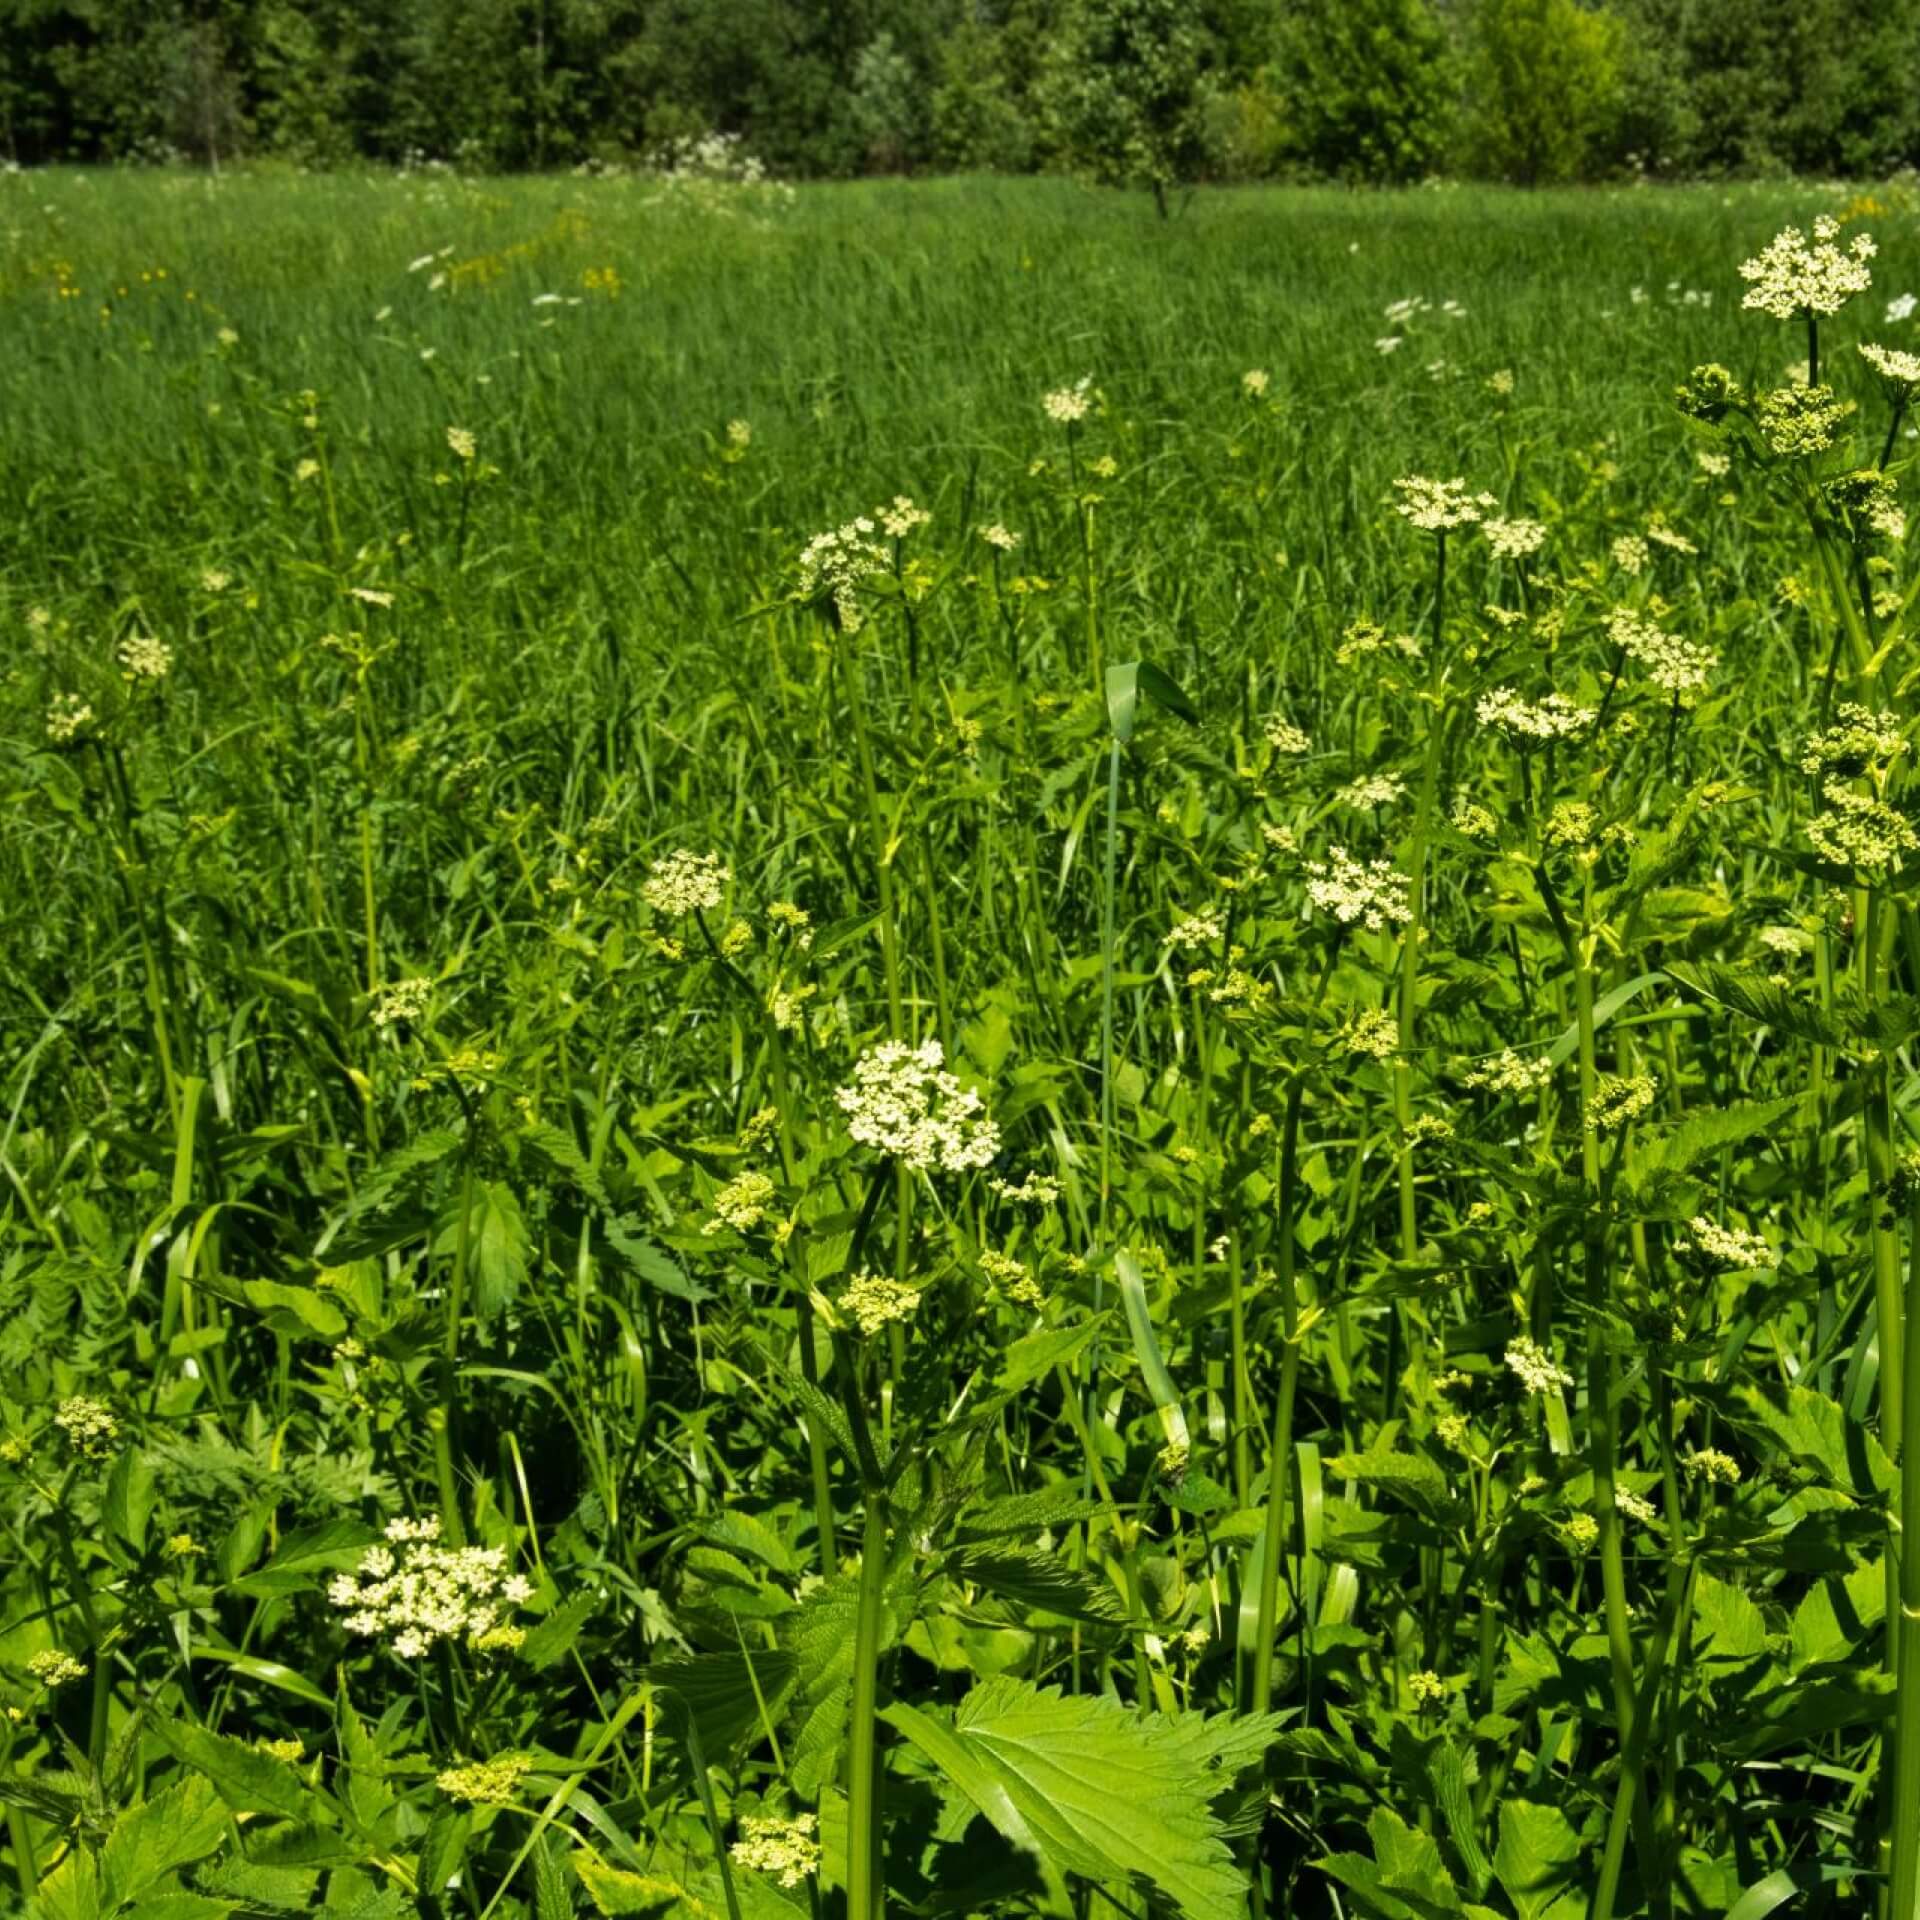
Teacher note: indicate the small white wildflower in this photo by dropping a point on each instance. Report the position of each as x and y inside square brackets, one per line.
[685, 882]
[1374, 894]
[1731, 1248]
[1436, 505]
[1065, 405]
[1538, 1371]
[901, 1101]
[1790, 278]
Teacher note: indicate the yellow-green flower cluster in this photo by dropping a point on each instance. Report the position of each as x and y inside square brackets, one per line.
[741, 1203]
[903, 1102]
[52, 1668]
[683, 882]
[1672, 664]
[486, 1782]
[142, 657]
[1859, 831]
[1370, 1032]
[1011, 1278]
[1713, 1466]
[1618, 1100]
[1551, 718]
[68, 717]
[1436, 505]
[1731, 1248]
[1374, 894]
[873, 1300]
[1536, 1368]
[1859, 741]
[781, 1844]
[1509, 1072]
[1514, 539]
[90, 1428]
[1796, 421]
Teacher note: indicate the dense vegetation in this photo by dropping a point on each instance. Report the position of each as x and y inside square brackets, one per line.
[1161, 90]
[839, 1074]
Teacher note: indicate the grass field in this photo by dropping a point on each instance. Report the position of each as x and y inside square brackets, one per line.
[1365, 1377]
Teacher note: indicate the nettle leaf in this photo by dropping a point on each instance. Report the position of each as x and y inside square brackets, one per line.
[248, 1780]
[1816, 1433]
[733, 1697]
[399, 1174]
[1536, 1857]
[1405, 1880]
[1040, 1581]
[1759, 999]
[1409, 1477]
[1727, 1626]
[170, 1831]
[1088, 1787]
[498, 1249]
[1676, 1149]
[1838, 1616]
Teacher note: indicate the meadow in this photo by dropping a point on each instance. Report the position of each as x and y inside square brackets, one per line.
[846, 1068]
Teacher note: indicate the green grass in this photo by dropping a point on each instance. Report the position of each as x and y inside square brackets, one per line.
[362, 1121]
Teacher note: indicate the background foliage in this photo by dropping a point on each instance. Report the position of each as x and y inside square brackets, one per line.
[1367, 90]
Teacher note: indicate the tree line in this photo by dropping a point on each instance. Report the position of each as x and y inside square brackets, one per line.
[1153, 92]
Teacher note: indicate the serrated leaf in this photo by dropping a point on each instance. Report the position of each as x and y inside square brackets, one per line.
[248, 1780]
[1536, 1857]
[1038, 1581]
[1093, 1789]
[1759, 999]
[175, 1828]
[724, 1693]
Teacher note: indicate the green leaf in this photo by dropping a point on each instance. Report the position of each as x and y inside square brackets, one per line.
[550, 1641]
[296, 1311]
[1536, 1857]
[1726, 1624]
[1091, 1788]
[1042, 1582]
[128, 1502]
[1838, 1616]
[725, 1692]
[332, 1547]
[1816, 1433]
[185, 1823]
[1125, 685]
[498, 1250]
[249, 1781]
[1146, 1348]
[1759, 999]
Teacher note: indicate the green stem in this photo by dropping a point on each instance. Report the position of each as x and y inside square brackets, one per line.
[1273, 1535]
[866, 1891]
[1903, 1821]
[450, 1519]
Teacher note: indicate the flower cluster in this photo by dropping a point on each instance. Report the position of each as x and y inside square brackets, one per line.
[1066, 405]
[1012, 1279]
[833, 564]
[1510, 1072]
[1713, 1466]
[1036, 1190]
[795, 922]
[1371, 790]
[1538, 1371]
[782, 1844]
[1284, 737]
[1630, 553]
[872, 1301]
[489, 1782]
[1436, 505]
[1900, 370]
[1426, 1689]
[741, 1204]
[1195, 930]
[1729, 1247]
[402, 1000]
[1791, 278]
[995, 535]
[1800, 420]
[142, 657]
[68, 717]
[416, 1592]
[91, 1430]
[1859, 831]
[1635, 1506]
[1867, 501]
[900, 519]
[684, 882]
[902, 1101]
[461, 443]
[1514, 539]
[52, 1668]
[1374, 894]
[1672, 664]
[1553, 718]
[1370, 1032]
[1619, 1099]
[1859, 739]
[1364, 637]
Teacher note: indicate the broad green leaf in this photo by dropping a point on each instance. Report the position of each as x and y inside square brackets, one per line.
[128, 1503]
[1128, 681]
[1536, 1857]
[1094, 1789]
[730, 1695]
[498, 1249]
[1146, 1349]
[332, 1547]
[185, 1823]
[1838, 1617]
[1727, 1626]
[249, 1781]
[1038, 1581]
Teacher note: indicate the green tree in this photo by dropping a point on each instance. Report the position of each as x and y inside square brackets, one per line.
[1126, 95]
[1543, 88]
[1367, 89]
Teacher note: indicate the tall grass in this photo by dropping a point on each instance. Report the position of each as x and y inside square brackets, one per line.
[1211, 1512]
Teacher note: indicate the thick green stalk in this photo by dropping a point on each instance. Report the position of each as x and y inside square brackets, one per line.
[443, 1414]
[854, 669]
[866, 1891]
[1273, 1537]
[1904, 1812]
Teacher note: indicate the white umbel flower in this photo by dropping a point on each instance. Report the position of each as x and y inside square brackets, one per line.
[902, 1101]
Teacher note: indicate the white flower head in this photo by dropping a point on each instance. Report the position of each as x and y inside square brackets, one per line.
[1790, 278]
[902, 1101]
[683, 882]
